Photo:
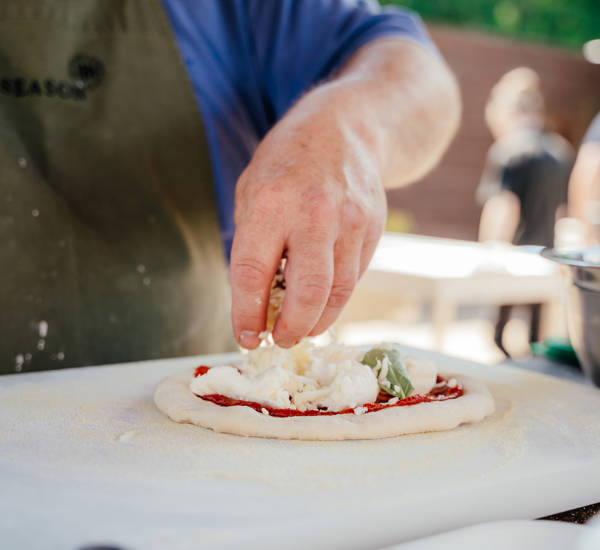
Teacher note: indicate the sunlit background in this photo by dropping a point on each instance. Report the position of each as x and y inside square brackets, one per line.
[481, 40]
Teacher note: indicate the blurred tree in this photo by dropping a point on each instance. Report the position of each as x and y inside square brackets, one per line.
[567, 23]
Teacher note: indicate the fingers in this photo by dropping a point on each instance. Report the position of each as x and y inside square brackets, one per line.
[353, 250]
[328, 248]
[347, 255]
[320, 277]
[368, 248]
[255, 255]
[309, 276]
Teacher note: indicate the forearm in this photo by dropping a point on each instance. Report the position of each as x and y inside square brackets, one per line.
[500, 217]
[394, 105]
[585, 178]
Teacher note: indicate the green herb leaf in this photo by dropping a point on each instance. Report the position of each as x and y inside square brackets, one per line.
[396, 381]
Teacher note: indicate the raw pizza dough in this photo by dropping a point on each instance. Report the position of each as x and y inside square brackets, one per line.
[174, 398]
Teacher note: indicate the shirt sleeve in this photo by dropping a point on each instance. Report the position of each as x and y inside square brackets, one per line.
[593, 132]
[299, 43]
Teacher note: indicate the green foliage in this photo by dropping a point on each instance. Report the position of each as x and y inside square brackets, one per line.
[568, 23]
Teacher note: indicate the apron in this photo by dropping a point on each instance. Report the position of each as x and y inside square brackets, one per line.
[110, 248]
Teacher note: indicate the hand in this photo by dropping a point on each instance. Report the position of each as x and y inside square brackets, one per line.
[311, 191]
[314, 188]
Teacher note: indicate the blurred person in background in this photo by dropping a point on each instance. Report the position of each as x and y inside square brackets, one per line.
[130, 129]
[584, 186]
[523, 189]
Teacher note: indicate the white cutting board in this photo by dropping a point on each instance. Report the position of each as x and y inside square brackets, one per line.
[512, 535]
[86, 458]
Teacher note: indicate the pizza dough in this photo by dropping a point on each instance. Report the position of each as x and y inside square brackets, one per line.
[306, 378]
[174, 398]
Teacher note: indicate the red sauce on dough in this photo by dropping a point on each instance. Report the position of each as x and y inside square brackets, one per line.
[382, 400]
[203, 369]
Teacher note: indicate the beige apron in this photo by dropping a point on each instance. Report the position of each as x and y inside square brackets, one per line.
[110, 247]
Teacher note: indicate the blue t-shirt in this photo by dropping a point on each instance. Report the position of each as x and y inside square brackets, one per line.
[249, 60]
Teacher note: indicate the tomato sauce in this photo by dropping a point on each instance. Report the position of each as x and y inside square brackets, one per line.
[437, 394]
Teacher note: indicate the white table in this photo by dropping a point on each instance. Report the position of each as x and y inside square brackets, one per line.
[86, 458]
[448, 273]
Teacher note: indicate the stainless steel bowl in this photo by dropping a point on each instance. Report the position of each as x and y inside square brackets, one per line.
[581, 272]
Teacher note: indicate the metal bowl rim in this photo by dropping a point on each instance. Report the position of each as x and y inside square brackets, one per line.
[550, 254]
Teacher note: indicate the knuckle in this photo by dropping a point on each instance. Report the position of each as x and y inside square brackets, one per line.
[256, 201]
[319, 206]
[264, 191]
[340, 294]
[266, 205]
[314, 238]
[321, 202]
[354, 217]
[249, 274]
[312, 290]
[316, 194]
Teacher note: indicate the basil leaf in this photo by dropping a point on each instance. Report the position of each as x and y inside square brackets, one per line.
[396, 381]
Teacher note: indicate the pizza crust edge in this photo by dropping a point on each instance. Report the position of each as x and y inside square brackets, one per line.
[174, 398]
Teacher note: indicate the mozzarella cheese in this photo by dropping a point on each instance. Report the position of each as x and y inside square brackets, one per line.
[305, 377]
[422, 374]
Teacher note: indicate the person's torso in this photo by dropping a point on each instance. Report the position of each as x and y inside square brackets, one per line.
[111, 248]
[536, 167]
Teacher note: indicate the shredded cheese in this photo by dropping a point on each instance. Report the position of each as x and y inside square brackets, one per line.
[304, 377]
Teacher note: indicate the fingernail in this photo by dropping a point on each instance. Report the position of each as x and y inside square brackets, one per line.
[248, 338]
[287, 344]
[283, 342]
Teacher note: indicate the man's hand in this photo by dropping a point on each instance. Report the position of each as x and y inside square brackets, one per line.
[314, 189]
[309, 194]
